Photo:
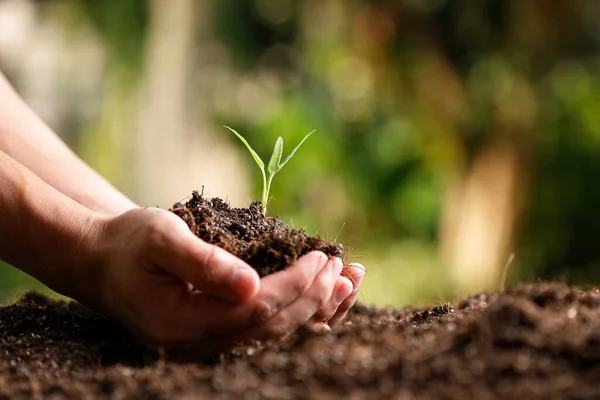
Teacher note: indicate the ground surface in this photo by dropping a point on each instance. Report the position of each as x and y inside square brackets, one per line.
[534, 342]
[267, 244]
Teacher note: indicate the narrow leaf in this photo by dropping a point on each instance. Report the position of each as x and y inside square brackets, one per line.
[273, 167]
[294, 151]
[260, 162]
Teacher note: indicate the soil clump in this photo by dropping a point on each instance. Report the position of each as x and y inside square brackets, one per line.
[265, 243]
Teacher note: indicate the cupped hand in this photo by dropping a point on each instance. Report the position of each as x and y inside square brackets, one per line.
[175, 291]
[346, 291]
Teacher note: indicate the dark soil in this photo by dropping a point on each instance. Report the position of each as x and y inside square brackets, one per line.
[265, 243]
[538, 341]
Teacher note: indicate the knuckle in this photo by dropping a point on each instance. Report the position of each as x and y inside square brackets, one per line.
[322, 290]
[316, 258]
[303, 276]
[155, 233]
[262, 312]
[302, 284]
[211, 258]
[320, 301]
[306, 277]
[323, 314]
[278, 332]
[324, 284]
[320, 257]
[210, 264]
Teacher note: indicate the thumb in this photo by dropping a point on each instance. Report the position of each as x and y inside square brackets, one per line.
[207, 267]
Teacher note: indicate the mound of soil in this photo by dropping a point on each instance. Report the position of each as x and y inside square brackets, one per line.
[537, 341]
[265, 243]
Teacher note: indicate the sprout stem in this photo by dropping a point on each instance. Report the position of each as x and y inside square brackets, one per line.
[274, 166]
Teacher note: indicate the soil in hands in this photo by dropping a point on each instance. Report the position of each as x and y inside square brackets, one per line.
[538, 341]
[265, 243]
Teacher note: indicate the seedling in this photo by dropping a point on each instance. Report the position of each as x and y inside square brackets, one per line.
[274, 166]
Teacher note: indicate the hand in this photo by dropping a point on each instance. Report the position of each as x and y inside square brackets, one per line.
[175, 291]
[344, 296]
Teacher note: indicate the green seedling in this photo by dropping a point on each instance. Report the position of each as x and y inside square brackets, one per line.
[275, 164]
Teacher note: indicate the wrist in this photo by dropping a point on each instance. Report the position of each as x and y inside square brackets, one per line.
[86, 281]
[47, 234]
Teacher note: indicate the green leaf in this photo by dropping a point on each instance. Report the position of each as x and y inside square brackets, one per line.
[274, 167]
[260, 162]
[294, 151]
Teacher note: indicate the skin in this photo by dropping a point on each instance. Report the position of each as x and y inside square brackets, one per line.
[84, 239]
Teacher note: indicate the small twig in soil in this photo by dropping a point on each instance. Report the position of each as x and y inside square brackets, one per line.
[348, 257]
[184, 199]
[190, 214]
[349, 252]
[339, 232]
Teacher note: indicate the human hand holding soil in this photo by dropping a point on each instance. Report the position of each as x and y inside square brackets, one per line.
[144, 267]
[175, 291]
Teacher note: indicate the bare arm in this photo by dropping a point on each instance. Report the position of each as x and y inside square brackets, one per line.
[142, 266]
[26, 139]
[41, 230]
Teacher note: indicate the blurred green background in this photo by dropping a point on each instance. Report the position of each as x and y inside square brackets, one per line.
[450, 134]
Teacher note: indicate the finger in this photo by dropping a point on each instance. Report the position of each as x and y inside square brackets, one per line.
[299, 312]
[286, 321]
[353, 275]
[321, 327]
[356, 273]
[277, 291]
[207, 267]
[343, 288]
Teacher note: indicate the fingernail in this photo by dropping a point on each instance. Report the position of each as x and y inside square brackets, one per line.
[240, 274]
[321, 327]
[342, 293]
[243, 281]
[358, 266]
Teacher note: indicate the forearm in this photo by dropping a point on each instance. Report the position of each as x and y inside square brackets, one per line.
[26, 139]
[43, 232]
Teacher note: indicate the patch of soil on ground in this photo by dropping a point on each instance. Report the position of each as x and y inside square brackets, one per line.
[265, 243]
[537, 341]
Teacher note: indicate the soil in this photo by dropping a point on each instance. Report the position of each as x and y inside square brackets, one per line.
[537, 341]
[265, 243]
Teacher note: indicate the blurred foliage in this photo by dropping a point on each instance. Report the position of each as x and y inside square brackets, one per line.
[122, 24]
[403, 94]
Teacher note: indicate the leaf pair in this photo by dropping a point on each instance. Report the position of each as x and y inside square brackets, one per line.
[275, 164]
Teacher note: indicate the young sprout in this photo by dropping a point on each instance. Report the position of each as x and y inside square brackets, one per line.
[274, 166]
